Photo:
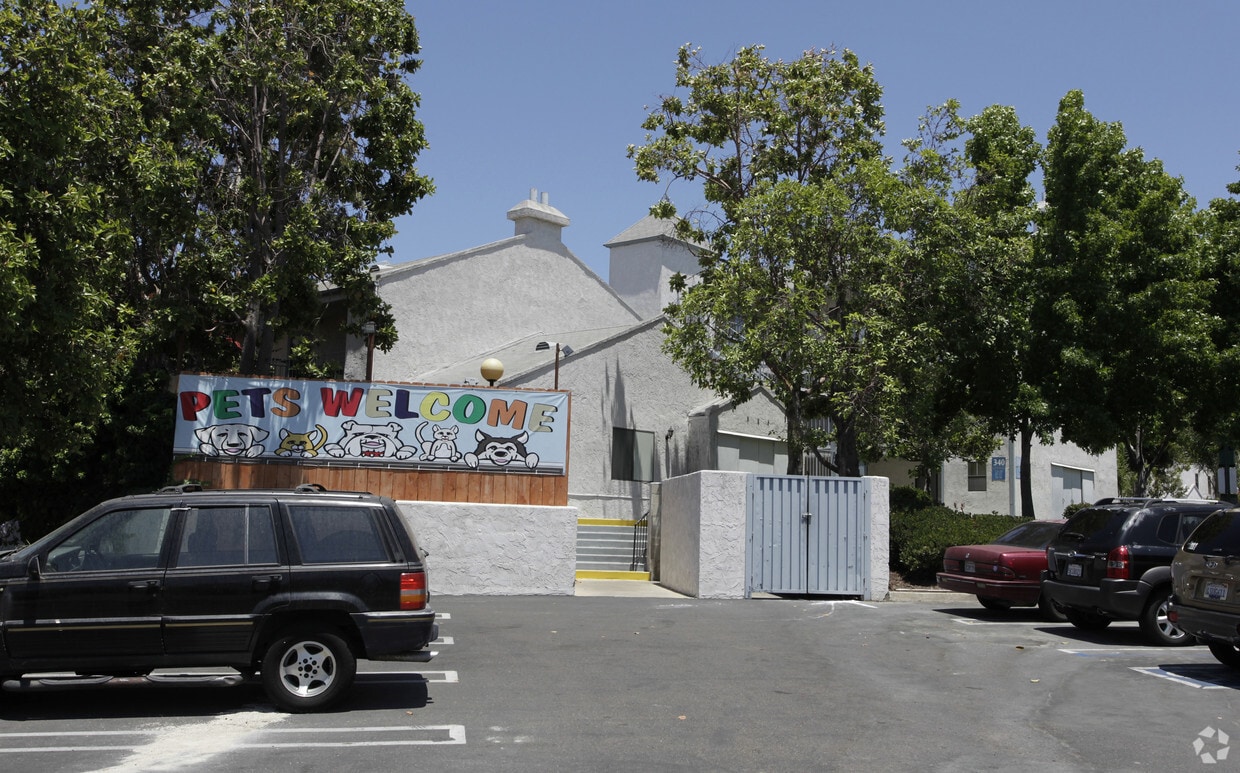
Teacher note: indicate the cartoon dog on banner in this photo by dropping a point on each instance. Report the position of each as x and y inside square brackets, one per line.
[231, 440]
[441, 445]
[501, 451]
[370, 441]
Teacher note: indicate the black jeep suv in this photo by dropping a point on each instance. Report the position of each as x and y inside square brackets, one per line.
[1112, 561]
[293, 585]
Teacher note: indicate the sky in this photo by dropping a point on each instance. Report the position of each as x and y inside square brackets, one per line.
[548, 94]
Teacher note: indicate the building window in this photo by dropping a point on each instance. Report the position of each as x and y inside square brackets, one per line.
[632, 454]
[977, 476]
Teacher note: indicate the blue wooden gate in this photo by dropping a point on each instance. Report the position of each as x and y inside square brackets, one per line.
[808, 535]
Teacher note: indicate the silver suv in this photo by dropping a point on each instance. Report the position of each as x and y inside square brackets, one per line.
[1206, 579]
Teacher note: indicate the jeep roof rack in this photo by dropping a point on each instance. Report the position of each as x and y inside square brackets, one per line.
[309, 488]
[180, 488]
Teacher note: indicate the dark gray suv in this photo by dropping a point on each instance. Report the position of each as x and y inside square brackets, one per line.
[1112, 561]
[294, 586]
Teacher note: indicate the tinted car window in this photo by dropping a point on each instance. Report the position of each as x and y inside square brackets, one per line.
[1035, 534]
[1168, 527]
[327, 534]
[1095, 525]
[122, 539]
[1219, 534]
[224, 536]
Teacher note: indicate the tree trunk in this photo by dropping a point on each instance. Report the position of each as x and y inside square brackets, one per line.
[847, 457]
[795, 416]
[1026, 472]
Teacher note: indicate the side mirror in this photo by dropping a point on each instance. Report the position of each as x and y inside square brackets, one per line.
[33, 570]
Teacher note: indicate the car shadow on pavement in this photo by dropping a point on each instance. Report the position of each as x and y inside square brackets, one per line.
[187, 696]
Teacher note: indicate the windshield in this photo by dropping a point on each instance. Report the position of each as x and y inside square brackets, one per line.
[1034, 534]
[1218, 535]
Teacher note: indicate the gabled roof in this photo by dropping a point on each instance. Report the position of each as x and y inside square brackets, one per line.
[649, 227]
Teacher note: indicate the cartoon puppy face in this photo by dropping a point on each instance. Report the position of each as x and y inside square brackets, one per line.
[231, 440]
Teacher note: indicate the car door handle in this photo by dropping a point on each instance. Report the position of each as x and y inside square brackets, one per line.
[150, 586]
[270, 582]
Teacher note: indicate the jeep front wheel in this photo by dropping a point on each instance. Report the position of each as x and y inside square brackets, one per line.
[1158, 629]
[308, 671]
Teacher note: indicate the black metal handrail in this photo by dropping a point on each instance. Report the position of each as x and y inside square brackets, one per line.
[638, 563]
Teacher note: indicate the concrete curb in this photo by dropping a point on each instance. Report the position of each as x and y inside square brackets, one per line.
[930, 596]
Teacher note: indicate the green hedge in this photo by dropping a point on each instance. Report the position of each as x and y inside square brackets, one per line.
[920, 532]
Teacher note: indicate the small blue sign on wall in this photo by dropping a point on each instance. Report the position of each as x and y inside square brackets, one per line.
[998, 468]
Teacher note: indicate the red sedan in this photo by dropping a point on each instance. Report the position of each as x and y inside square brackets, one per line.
[1006, 573]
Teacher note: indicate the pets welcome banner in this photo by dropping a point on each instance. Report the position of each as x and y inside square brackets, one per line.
[465, 428]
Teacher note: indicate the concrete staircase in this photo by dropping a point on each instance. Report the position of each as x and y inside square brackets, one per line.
[605, 550]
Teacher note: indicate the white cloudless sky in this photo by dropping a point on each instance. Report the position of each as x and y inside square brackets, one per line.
[548, 94]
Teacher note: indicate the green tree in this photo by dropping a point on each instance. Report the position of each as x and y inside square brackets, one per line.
[1121, 311]
[66, 128]
[1218, 424]
[300, 127]
[803, 274]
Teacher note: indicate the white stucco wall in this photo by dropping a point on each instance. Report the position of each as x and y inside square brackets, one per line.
[496, 550]
[703, 531]
[880, 538]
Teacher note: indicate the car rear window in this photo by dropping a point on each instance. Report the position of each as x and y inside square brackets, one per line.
[328, 534]
[1219, 535]
[1034, 534]
[1090, 526]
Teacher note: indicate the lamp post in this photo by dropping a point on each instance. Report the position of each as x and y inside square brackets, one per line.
[543, 346]
[369, 330]
[492, 370]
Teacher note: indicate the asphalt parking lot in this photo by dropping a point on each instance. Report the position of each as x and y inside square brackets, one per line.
[667, 683]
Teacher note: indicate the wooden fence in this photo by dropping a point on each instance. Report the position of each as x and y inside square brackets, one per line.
[504, 488]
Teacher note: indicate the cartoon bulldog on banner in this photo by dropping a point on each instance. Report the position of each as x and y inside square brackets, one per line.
[370, 441]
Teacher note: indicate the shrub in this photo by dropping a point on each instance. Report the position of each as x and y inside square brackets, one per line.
[908, 498]
[1072, 508]
[919, 537]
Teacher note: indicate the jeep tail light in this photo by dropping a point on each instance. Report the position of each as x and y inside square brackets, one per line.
[413, 590]
[1118, 566]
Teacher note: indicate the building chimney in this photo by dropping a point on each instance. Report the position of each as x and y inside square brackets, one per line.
[538, 219]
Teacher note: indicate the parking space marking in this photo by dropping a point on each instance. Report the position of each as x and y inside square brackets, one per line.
[424, 735]
[1200, 676]
[444, 640]
[1102, 652]
[972, 621]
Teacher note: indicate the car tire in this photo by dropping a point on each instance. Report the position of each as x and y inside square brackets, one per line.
[1155, 625]
[308, 671]
[994, 604]
[1050, 611]
[1086, 621]
[1226, 653]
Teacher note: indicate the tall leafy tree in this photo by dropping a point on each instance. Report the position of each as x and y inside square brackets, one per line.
[1218, 420]
[299, 122]
[66, 128]
[1121, 311]
[803, 273]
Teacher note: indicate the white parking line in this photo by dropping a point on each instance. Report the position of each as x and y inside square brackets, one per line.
[424, 735]
[971, 621]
